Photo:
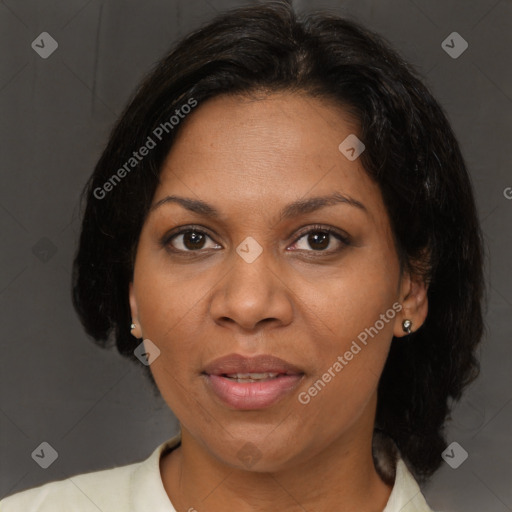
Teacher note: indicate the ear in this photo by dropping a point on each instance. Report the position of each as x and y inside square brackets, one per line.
[137, 330]
[414, 301]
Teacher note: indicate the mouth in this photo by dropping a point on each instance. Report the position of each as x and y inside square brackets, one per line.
[251, 383]
[254, 377]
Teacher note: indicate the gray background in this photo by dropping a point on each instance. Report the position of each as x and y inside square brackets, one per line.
[92, 406]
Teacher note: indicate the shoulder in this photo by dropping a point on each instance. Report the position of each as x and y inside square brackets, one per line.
[98, 490]
[406, 495]
[133, 487]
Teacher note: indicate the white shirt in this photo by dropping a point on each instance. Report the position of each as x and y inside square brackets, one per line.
[138, 487]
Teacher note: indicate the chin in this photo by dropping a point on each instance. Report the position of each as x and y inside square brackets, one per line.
[257, 454]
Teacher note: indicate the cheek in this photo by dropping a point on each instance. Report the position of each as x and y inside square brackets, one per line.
[169, 311]
[168, 297]
[348, 367]
[168, 304]
[351, 299]
[350, 319]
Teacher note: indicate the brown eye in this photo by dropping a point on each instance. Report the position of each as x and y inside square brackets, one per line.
[193, 240]
[320, 239]
[188, 240]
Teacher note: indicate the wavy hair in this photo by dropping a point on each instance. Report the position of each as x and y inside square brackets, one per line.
[411, 153]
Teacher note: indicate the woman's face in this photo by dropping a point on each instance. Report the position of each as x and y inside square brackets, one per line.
[262, 278]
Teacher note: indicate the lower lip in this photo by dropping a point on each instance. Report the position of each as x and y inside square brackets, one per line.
[252, 395]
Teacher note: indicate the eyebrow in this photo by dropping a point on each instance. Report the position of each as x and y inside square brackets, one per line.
[299, 207]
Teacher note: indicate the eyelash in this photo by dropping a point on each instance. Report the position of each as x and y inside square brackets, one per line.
[344, 239]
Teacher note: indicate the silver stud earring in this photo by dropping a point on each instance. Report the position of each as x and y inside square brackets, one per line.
[132, 326]
[406, 326]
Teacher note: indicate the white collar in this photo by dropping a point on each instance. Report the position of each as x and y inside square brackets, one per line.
[147, 491]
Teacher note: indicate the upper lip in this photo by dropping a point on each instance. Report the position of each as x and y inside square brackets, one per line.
[236, 363]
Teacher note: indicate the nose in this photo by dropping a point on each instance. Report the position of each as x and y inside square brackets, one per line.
[253, 293]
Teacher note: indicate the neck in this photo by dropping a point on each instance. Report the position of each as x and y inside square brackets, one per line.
[342, 477]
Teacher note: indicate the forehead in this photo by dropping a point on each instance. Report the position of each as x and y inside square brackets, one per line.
[264, 151]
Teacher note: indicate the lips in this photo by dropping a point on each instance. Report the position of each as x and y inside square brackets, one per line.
[251, 383]
[238, 364]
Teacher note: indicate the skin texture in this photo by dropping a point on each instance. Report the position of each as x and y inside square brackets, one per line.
[249, 158]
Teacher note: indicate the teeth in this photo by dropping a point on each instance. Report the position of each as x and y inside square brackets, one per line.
[251, 377]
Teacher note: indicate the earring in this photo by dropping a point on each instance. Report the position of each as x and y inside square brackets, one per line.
[406, 326]
[132, 326]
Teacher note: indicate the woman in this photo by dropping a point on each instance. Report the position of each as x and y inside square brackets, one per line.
[283, 230]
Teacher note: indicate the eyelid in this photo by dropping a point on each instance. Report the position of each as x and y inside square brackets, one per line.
[341, 235]
[181, 230]
[344, 236]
